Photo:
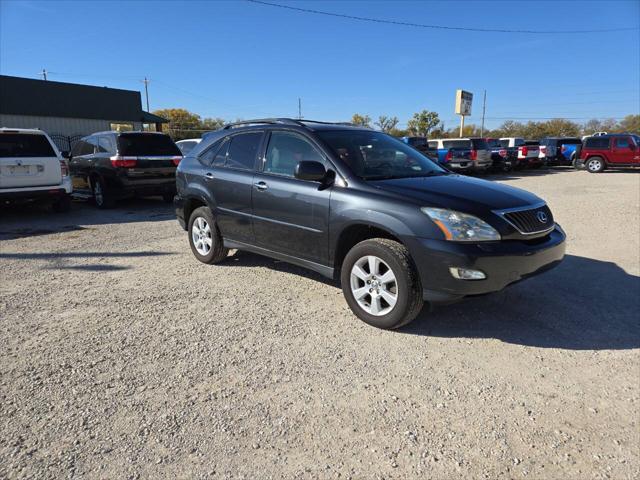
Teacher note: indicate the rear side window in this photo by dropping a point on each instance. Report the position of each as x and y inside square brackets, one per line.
[433, 144]
[146, 144]
[479, 144]
[243, 150]
[207, 157]
[599, 143]
[24, 145]
[186, 147]
[571, 141]
[518, 142]
[106, 145]
[456, 143]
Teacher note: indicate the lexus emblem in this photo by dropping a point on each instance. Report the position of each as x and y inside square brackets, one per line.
[542, 217]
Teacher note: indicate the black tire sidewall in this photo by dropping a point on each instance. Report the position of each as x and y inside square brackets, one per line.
[205, 213]
[107, 200]
[397, 316]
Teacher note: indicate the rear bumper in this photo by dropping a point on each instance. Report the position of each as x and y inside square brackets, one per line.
[463, 164]
[503, 263]
[143, 188]
[37, 193]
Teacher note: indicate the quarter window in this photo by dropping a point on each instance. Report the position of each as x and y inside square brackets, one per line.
[105, 145]
[286, 150]
[243, 150]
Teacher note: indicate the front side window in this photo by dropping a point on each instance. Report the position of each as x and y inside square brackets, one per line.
[243, 150]
[24, 145]
[286, 150]
[377, 156]
[622, 142]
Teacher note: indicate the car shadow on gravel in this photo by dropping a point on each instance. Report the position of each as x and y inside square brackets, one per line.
[28, 220]
[583, 304]
[59, 260]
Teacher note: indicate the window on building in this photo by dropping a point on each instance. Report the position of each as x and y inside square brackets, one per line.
[122, 127]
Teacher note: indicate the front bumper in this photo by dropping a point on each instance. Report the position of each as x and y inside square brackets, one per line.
[503, 262]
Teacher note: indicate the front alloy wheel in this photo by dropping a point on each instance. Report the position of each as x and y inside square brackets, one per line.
[381, 284]
[374, 285]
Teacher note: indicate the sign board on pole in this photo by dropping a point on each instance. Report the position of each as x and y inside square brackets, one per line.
[463, 102]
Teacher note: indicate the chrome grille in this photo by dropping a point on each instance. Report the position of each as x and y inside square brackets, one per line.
[529, 221]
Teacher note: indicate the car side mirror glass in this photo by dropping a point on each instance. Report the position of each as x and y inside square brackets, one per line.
[311, 171]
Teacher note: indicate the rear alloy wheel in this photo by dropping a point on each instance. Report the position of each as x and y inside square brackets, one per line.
[204, 237]
[595, 165]
[101, 196]
[381, 284]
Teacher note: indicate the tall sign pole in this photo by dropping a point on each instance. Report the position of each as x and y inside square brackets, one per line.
[484, 106]
[463, 106]
[146, 90]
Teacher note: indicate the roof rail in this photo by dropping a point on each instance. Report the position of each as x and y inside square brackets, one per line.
[283, 121]
[260, 121]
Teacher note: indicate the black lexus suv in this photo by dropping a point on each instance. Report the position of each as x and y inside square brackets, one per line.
[109, 166]
[359, 205]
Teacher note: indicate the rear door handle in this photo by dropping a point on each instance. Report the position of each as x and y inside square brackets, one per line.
[209, 175]
[261, 185]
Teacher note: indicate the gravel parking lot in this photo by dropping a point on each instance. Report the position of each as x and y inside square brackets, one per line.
[123, 357]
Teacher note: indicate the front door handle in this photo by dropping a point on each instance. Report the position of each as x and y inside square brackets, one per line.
[261, 185]
[209, 175]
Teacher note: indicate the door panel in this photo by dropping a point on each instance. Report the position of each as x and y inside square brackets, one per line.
[291, 216]
[621, 151]
[231, 190]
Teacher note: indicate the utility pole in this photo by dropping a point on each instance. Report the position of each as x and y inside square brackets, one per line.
[146, 90]
[461, 125]
[44, 74]
[484, 105]
[299, 108]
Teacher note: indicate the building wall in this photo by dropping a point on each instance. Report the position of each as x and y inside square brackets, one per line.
[61, 126]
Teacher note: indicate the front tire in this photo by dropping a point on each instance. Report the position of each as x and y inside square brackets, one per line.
[381, 284]
[204, 237]
[595, 165]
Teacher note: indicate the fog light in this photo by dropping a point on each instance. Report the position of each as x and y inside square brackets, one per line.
[467, 274]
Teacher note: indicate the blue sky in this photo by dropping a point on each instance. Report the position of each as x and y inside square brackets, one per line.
[239, 59]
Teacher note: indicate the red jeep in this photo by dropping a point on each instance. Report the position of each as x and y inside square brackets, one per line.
[610, 151]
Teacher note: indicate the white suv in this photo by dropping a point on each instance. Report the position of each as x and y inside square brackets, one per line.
[32, 169]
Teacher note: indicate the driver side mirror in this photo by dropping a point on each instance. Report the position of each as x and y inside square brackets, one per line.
[310, 171]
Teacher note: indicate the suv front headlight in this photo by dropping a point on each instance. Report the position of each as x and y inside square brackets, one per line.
[461, 227]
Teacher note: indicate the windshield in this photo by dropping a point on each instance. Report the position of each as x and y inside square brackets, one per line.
[146, 144]
[377, 156]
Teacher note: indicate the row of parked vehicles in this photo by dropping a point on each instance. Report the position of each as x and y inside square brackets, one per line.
[350, 203]
[595, 153]
[108, 166]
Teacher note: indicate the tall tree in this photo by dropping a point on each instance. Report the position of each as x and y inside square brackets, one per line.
[361, 120]
[387, 124]
[423, 122]
[631, 124]
[182, 123]
[212, 123]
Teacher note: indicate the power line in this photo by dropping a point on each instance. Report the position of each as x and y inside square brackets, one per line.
[440, 27]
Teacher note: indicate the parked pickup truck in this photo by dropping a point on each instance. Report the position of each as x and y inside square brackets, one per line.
[504, 158]
[528, 153]
[560, 150]
[609, 151]
[422, 145]
[463, 153]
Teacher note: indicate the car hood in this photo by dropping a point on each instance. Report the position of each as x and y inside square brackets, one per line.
[458, 192]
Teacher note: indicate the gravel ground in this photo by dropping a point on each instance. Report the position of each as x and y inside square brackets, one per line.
[123, 357]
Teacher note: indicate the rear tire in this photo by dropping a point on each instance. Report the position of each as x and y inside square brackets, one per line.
[62, 205]
[595, 164]
[204, 237]
[102, 197]
[381, 284]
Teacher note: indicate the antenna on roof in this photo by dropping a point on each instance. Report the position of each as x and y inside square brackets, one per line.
[44, 74]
